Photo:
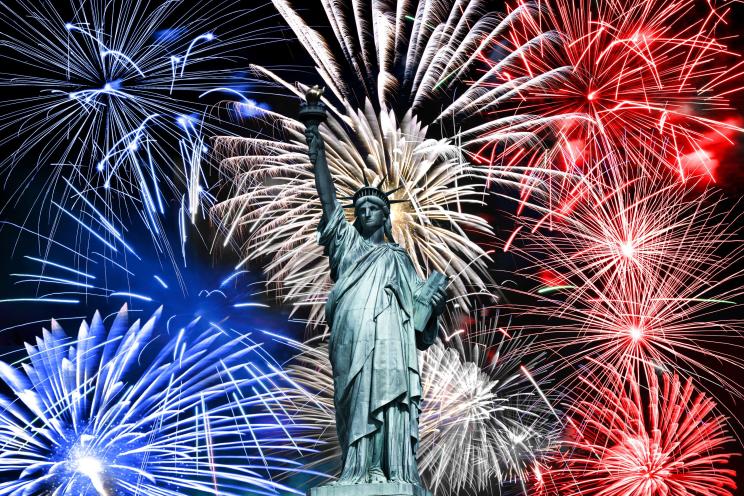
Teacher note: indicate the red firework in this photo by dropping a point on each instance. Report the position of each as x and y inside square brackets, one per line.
[642, 272]
[624, 232]
[631, 439]
[644, 76]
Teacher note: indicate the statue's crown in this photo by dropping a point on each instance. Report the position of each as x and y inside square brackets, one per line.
[368, 190]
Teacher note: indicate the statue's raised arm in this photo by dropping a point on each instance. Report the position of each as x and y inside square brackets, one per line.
[312, 113]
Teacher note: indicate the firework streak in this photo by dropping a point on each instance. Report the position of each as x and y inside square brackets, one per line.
[115, 108]
[645, 77]
[400, 113]
[129, 410]
[97, 264]
[663, 440]
[643, 272]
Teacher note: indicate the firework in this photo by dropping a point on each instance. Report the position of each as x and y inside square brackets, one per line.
[106, 104]
[643, 77]
[90, 263]
[399, 98]
[180, 404]
[663, 439]
[483, 424]
[622, 231]
[128, 409]
[637, 272]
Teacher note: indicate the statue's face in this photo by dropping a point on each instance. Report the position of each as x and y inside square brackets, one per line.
[371, 217]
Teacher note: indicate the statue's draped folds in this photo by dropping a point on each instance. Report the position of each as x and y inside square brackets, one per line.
[373, 352]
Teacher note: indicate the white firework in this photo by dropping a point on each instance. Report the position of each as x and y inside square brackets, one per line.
[483, 423]
[402, 114]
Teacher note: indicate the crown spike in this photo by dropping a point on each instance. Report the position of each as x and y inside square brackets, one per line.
[382, 181]
[388, 193]
[372, 191]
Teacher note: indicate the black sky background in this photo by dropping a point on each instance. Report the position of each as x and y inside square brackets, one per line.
[286, 53]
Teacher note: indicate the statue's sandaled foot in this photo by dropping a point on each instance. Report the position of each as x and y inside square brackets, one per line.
[345, 482]
[399, 480]
[376, 476]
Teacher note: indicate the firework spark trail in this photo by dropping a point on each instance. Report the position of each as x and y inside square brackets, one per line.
[637, 436]
[639, 76]
[641, 272]
[114, 410]
[105, 103]
[625, 229]
[482, 424]
[278, 204]
[185, 432]
[116, 267]
[393, 72]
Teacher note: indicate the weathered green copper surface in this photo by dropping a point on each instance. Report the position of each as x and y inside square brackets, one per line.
[371, 311]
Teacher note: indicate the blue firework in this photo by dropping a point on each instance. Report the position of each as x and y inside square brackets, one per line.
[90, 263]
[111, 97]
[182, 404]
[127, 408]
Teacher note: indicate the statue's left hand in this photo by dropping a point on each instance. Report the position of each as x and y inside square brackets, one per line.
[438, 300]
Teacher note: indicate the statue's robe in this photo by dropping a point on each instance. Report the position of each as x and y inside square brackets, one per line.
[377, 388]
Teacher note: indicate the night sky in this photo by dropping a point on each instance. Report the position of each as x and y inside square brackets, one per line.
[26, 209]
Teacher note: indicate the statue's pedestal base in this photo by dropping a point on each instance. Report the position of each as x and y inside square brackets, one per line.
[384, 489]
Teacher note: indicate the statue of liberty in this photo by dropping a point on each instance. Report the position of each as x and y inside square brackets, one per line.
[379, 312]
